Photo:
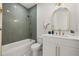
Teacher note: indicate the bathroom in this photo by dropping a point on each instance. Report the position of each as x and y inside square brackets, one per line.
[40, 29]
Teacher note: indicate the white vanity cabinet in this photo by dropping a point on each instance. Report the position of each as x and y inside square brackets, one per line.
[55, 46]
[69, 47]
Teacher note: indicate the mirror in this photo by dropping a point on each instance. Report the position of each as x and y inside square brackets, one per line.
[61, 19]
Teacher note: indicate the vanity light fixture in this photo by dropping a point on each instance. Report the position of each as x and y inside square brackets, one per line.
[58, 4]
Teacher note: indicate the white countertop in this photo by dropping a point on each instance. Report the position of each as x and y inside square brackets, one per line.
[63, 36]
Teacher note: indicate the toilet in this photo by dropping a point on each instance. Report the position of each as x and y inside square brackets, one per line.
[37, 47]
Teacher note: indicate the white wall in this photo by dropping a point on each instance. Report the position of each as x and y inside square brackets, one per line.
[44, 13]
[78, 20]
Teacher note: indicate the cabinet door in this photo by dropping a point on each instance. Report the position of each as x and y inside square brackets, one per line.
[69, 47]
[49, 47]
[69, 51]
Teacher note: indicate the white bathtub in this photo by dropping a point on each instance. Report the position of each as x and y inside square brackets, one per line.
[19, 48]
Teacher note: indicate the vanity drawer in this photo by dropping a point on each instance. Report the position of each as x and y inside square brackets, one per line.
[70, 42]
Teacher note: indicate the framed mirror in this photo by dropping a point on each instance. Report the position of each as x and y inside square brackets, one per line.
[61, 19]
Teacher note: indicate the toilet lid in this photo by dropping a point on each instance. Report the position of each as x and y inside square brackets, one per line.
[36, 45]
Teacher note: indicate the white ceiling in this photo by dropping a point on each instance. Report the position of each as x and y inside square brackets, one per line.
[28, 5]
